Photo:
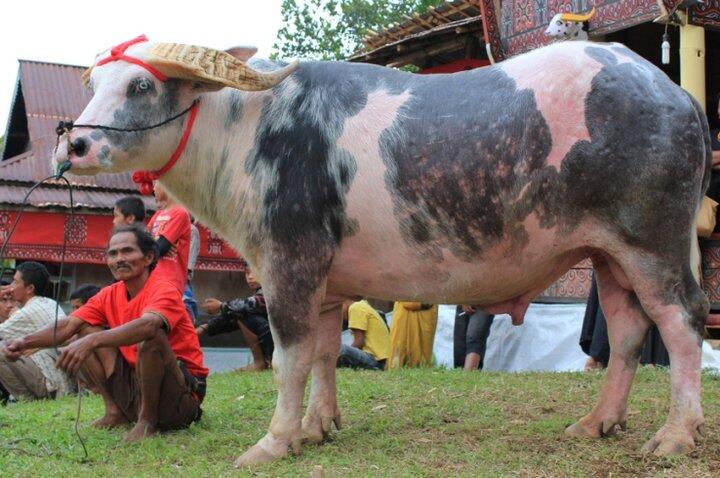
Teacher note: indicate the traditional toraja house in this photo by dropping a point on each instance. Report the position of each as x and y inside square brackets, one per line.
[464, 34]
[443, 40]
[45, 94]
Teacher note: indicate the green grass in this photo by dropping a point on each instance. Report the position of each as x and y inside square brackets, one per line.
[408, 423]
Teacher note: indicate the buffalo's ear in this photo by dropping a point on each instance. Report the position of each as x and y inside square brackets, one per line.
[242, 53]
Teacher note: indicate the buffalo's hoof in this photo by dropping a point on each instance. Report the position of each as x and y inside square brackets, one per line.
[266, 450]
[670, 441]
[256, 455]
[589, 427]
[317, 429]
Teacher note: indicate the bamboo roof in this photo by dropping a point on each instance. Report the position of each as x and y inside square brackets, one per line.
[441, 29]
[448, 12]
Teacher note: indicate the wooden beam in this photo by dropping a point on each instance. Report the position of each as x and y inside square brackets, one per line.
[422, 20]
[436, 16]
[454, 9]
[413, 56]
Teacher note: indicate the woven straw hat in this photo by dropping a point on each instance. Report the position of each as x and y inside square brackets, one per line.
[191, 62]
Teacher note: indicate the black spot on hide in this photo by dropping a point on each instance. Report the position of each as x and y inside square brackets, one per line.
[467, 161]
[639, 171]
[235, 109]
[302, 177]
[104, 153]
[145, 110]
[296, 143]
[461, 152]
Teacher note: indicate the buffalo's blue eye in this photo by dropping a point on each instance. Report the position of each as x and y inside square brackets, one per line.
[140, 86]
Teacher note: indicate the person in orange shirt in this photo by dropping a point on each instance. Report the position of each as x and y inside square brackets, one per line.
[137, 346]
[170, 226]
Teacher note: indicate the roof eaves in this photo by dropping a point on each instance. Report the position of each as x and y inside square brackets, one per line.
[10, 113]
[415, 36]
[446, 12]
[40, 62]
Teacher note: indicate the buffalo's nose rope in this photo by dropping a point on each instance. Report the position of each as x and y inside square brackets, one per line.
[143, 178]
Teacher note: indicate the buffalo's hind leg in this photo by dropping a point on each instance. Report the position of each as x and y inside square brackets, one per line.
[294, 292]
[672, 299]
[322, 410]
[678, 306]
[627, 326]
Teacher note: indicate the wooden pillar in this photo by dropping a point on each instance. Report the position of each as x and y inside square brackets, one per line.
[692, 80]
[692, 60]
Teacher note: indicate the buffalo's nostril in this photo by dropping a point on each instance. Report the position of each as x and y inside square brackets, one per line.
[80, 146]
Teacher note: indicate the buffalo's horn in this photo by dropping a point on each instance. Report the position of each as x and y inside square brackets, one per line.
[86, 76]
[574, 17]
[191, 62]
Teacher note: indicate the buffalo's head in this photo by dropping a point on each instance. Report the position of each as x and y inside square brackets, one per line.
[140, 84]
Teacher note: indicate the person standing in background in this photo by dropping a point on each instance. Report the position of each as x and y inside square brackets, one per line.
[472, 327]
[412, 334]
[189, 294]
[128, 210]
[170, 227]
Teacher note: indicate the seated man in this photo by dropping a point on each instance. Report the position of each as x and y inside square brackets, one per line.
[7, 303]
[137, 345]
[35, 376]
[371, 338]
[250, 316]
[82, 294]
[7, 307]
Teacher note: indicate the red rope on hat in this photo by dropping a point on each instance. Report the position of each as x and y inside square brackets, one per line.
[145, 178]
[118, 53]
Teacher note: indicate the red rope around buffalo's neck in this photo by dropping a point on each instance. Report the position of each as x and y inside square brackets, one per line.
[145, 178]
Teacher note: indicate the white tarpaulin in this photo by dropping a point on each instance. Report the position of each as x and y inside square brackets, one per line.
[547, 341]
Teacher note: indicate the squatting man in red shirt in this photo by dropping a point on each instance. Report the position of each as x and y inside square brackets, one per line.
[137, 346]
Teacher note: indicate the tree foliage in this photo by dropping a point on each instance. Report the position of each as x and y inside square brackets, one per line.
[333, 29]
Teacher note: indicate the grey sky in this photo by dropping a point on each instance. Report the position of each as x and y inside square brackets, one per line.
[73, 32]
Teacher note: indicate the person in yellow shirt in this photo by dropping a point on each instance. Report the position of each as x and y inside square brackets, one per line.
[371, 338]
[412, 334]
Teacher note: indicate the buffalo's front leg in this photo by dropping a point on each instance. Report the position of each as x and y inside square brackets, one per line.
[294, 293]
[322, 410]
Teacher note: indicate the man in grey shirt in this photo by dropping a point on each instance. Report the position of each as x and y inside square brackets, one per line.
[36, 375]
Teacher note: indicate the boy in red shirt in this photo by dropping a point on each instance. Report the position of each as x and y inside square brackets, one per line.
[170, 226]
[138, 347]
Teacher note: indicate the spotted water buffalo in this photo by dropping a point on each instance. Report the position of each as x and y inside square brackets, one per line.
[339, 180]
